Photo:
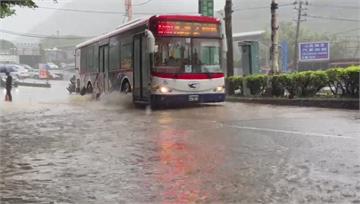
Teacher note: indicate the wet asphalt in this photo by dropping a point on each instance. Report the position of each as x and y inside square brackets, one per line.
[61, 148]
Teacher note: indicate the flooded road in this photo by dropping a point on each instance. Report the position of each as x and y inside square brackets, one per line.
[61, 148]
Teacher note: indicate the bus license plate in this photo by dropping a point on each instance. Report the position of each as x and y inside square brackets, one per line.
[193, 97]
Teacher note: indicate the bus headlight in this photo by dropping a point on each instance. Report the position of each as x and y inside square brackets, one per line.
[164, 89]
[219, 89]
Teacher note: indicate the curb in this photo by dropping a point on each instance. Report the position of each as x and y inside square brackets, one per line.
[34, 84]
[339, 103]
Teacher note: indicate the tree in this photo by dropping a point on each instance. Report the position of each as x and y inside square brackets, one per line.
[6, 6]
[287, 33]
[6, 45]
[63, 42]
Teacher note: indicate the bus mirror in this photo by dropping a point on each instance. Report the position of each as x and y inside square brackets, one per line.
[150, 39]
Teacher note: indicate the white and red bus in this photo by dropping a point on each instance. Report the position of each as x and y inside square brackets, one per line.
[161, 60]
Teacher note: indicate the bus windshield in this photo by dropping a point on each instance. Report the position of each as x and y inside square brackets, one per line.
[186, 55]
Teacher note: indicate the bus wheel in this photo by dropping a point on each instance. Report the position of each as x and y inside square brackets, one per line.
[83, 91]
[89, 88]
[154, 105]
[125, 88]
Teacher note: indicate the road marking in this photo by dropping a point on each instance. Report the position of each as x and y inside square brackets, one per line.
[290, 132]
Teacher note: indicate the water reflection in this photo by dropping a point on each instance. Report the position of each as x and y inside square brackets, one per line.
[180, 168]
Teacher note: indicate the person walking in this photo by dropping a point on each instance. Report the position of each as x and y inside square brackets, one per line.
[8, 86]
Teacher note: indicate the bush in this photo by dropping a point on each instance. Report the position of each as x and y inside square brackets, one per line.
[277, 87]
[287, 82]
[344, 82]
[309, 82]
[334, 81]
[350, 81]
[236, 83]
[256, 83]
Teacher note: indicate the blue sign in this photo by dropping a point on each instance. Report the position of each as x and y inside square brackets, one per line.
[284, 55]
[314, 51]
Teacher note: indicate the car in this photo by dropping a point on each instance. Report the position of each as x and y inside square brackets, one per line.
[52, 65]
[3, 71]
[55, 75]
[33, 73]
[18, 70]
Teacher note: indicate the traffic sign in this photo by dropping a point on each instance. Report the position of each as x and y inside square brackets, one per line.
[206, 7]
[314, 51]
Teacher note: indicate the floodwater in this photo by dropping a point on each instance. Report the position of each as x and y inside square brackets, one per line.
[61, 148]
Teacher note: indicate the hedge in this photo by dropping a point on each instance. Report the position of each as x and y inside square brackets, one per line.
[341, 81]
[236, 83]
[256, 84]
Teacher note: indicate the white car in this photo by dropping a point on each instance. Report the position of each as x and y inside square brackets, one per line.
[33, 73]
[18, 70]
[52, 65]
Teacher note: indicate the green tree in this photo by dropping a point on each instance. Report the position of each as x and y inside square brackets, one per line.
[6, 45]
[63, 42]
[6, 6]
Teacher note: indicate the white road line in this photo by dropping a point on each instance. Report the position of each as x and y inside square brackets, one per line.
[291, 132]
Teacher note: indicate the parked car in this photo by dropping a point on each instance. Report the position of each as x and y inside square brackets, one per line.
[17, 70]
[3, 71]
[55, 76]
[33, 73]
[52, 65]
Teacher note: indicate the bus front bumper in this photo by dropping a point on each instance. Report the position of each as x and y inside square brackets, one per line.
[188, 98]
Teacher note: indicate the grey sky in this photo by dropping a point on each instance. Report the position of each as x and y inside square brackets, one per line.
[27, 19]
[250, 15]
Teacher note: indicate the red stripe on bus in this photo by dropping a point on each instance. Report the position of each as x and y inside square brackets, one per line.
[188, 76]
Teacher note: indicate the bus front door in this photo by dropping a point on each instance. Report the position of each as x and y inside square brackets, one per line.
[141, 91]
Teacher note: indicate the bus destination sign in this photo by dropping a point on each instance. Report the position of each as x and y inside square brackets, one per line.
[187, 29]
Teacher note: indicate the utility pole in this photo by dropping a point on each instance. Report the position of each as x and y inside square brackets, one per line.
[128, 9]
[229, 41]
[297, 35]
[274, 38]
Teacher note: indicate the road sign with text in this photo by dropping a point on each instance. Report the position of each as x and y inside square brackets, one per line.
[314, 51]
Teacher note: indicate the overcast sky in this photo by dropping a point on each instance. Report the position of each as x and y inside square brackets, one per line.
[247, 16]
[27, 19]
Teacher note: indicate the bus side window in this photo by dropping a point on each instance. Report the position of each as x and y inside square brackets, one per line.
[96, 59]
[114, 54]
[90, 59]
[126, 56]
[83, 54]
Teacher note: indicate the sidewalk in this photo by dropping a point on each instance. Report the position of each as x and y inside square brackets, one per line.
[343, 103]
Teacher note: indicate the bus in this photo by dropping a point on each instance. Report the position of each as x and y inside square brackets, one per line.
[163, 59]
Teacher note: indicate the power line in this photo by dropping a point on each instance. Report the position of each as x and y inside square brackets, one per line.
[259, 7]
[335, 6]
[143, 3]
[334, 18]
[250, 8]
[31, 35]
[105, 12]
[347, 31]
[82, 10]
